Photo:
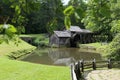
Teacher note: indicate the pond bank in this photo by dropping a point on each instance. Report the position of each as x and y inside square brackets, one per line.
[98, 47]
[20, 53]
[13, 51]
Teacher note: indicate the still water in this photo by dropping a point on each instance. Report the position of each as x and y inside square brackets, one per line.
[60, 56]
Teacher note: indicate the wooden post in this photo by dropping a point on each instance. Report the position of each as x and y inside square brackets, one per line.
[82, 65]
[71, 67]
[73, 75]
[77, 72]
[109, 64]
[94, 64]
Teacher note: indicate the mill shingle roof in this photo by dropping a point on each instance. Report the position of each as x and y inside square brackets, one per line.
[63, 33]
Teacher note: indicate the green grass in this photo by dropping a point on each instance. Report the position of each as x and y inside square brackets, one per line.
[96, 45]
[32, 35]
[11, 47]
[17, 70]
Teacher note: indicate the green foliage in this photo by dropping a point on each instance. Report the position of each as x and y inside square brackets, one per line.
[115, 10]
[67, 22]
[68, 12]
[1, 28]
[51, 26]
[80, 7]
[48, 18]
[102, 16]
[115, 26]
[9, 33]
[41, 41]
[17, 12]
[113, 49]
[97, 16]
[105, 10]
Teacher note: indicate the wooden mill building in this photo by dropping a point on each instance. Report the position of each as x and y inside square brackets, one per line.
[72, 37]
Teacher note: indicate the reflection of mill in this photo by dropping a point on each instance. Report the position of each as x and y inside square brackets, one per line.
[60, 57]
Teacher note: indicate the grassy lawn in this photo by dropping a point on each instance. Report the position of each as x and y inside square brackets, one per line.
[97, 46]
[11, 47]
[17, 70]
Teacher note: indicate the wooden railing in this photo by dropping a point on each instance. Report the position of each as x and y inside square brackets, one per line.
[78, 68]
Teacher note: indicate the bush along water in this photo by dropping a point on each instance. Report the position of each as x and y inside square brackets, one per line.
[41, 42]
[113, 49]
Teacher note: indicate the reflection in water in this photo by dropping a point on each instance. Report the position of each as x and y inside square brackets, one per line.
[60, 56]
[64, 61]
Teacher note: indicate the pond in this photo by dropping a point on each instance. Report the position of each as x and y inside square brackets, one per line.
[60, 56]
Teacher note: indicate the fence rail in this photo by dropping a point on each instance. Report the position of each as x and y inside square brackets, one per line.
[78, 68]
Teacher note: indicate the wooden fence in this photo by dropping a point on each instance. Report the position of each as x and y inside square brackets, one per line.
[78, 68]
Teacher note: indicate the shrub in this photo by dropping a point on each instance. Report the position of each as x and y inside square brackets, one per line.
[41, 41]
[113, 49]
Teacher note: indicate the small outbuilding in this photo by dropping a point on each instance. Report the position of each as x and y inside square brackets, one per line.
[71, 37]
[60, 38]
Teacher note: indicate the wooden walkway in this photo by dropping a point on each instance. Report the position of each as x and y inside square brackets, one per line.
[79, 68]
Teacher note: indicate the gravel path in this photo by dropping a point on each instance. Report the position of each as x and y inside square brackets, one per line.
[104, 75]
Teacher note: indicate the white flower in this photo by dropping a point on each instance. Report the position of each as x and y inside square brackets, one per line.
[5, 26]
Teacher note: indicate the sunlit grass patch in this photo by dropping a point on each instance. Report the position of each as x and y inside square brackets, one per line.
[11, 47]
[17, 70]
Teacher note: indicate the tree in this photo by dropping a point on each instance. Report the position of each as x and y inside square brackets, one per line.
[23, 8]
[74, 13]
[17, 11]
[55, 16]
[80, 7]
[113, 49]
[48, 18]
[115, 10]
[13, 12]
[98, 17]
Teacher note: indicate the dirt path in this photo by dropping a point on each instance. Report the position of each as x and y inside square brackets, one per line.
[104, 75]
